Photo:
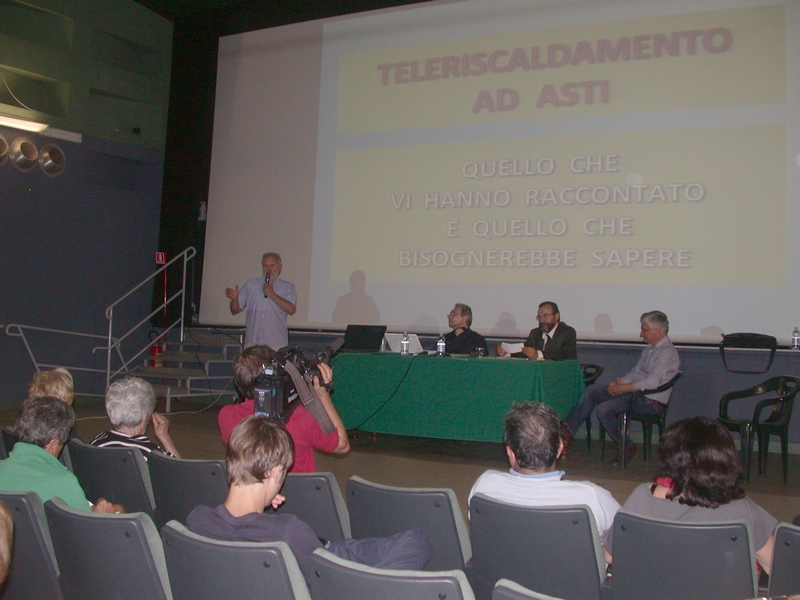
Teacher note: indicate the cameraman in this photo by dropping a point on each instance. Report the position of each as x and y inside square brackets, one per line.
[304, 429]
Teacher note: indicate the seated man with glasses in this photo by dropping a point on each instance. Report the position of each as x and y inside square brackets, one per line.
[551, 340]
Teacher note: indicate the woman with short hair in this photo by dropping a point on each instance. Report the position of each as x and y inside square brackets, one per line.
[699, 480]
[130, 405]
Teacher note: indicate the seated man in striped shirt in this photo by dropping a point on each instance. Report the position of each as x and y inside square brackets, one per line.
[130, 405]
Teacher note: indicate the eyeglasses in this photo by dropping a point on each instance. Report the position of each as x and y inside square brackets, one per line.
[544, 316]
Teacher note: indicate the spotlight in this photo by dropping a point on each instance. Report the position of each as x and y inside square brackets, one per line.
[52, 160]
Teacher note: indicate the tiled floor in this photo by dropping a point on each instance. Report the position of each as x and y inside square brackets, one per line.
[413, 462]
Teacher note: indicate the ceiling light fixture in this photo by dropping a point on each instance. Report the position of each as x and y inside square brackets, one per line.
[22, 124]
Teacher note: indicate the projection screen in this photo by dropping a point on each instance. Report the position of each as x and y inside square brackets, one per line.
[613, 157]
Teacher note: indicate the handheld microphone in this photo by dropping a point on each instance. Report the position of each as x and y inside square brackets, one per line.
[266, 282]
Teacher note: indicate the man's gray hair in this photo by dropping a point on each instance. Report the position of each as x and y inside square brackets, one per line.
[129, 401]
[274, 255]
[656, 318]
[466, 311]
[43, 419]
[533, 432]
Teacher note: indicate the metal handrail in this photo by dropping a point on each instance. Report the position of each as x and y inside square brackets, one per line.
[114, 343]
[18, 330]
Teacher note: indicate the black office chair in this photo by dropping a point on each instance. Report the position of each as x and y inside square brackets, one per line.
[771, 416]
[180, 485]
[550, 550]
[591, 373]
[663, 560]
[33, 572]
[647, 420]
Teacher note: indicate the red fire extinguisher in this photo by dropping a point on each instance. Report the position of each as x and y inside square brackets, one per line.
[156, 350]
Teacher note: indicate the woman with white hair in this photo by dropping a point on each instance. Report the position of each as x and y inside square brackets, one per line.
[130, 404]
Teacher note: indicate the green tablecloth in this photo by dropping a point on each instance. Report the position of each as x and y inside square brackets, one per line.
[456, 398]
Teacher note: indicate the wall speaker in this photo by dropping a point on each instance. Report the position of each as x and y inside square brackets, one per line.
[52, 160]
[24, 154]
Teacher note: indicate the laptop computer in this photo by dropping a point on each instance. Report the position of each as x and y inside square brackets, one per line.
[363, 338]
[393, 343]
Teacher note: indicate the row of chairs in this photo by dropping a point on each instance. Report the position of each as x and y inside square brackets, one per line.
[110, 556]
[554, 551]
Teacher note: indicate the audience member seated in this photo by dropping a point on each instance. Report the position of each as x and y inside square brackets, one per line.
[258, 457]
[130, 405]
[658, 363]
[532, 435]
[301, 425]
[699, 480]
[57, 383]
[42, 429]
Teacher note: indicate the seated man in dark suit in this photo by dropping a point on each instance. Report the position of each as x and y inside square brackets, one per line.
[552, 340]
[462, 340]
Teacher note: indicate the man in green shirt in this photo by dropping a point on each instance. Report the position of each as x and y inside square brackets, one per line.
[42, 429]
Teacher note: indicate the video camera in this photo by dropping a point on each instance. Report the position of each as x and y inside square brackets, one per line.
[288, 378]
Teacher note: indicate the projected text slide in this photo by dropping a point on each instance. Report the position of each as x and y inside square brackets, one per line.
[661, 207]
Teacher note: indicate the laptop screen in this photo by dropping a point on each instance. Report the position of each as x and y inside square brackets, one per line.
[363, 338]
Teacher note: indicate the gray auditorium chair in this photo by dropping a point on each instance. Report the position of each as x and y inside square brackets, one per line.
[505, 589]
[553, 550]
[316, 499]
[180, 485]
[381, 510]
[663, 560]
[34, 571]
[119, 475]
[334, 578]
[784, 578]
[104, 556]
[204, 569]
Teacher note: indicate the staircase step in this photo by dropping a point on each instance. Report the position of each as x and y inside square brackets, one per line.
[172, 373]
[211, 339]
[190, 357]
[174, 391]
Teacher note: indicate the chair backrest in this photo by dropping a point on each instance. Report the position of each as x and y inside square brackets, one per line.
[591, 373]
[317, 499]
[553, 550]
[119, 475]
[180, 485]
[662, 388]
[784, 579]
[334, 578]
[105, 556]
[204, 569]
[510, 590]
[662, 560]
[34, 570]
[380, 510]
